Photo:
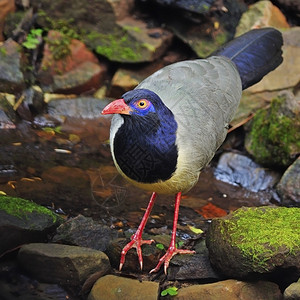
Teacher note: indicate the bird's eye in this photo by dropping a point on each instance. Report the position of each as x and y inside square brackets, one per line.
[142, 104]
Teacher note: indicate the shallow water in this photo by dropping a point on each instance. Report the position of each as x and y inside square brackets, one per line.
[70, 170]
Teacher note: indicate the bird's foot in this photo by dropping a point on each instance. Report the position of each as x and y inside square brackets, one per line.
[168, 256]
[136, 242]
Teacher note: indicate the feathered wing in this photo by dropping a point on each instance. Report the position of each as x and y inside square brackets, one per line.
[203, 96]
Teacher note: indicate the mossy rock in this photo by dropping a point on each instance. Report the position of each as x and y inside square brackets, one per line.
[274, 137]
[22, 221]
[256, 240]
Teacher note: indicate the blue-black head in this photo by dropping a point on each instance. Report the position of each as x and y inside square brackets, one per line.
[145, 144]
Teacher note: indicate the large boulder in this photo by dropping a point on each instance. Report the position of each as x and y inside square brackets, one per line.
[253, 241]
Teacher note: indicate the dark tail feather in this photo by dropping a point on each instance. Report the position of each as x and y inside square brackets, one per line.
[255, 54]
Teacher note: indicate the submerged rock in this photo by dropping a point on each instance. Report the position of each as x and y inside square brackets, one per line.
[231, 290]
[240, 170]
[274, 136]
[114, 288]
[256, 241]
[22, 221]
[289, 186]
[62, 264]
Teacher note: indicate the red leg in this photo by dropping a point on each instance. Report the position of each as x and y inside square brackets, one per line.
[172, 250]
[136, 239]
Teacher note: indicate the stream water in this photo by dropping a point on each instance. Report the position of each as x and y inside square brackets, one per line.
[69, 169]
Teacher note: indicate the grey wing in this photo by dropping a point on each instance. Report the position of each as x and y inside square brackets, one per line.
[203, 95]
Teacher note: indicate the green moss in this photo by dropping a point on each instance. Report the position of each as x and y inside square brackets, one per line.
[258, 232]
[118, 46]
[20, 208]
[273, 136]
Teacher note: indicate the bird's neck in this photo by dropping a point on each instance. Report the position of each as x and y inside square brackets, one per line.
[145, 147]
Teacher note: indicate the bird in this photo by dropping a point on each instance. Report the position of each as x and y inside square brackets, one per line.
[166, 131]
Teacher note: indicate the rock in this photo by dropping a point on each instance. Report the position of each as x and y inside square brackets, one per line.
[291, 9]
[22, 221]
[204, 37]
[72, 69]
[191, 267]
[148, 44]
[261, 14]
[151, 255]
[292, 292]
[274, 133]
[114, 287]
[84, 232]
[80, 108]
[124, 81]
[192, 6]
[62, 264]
[231, 290]
[34, 99]
[289, 186]
[253, 241]
[11, 65]
[7, 114]
[6, 7]
[109, 30]
[287, 74]
[240, 170]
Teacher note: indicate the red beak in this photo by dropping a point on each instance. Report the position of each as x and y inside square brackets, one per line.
[117, 107]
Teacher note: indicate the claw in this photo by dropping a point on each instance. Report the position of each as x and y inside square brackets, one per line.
[168, 256]
[136, 242]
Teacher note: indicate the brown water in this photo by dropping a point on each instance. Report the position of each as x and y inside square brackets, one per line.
[70, 170]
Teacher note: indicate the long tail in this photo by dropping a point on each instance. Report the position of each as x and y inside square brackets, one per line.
[255, 53]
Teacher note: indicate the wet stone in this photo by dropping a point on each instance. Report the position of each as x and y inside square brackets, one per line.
[240, 170]
[191, 267]
[231, 290]
[114, 287]
[62, 264]
[84, 232]
[22, 221]
[289, 186]
[81, 107]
